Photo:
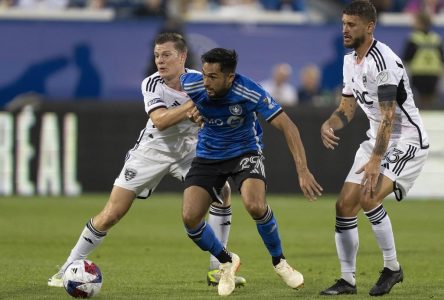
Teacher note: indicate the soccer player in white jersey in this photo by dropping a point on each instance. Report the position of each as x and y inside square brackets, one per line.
[165, 146]
[392, 157]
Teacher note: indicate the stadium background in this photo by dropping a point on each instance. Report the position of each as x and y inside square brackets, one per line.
[70, 90]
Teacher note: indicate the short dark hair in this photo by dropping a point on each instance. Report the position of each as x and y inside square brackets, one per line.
[179, 42]
[226, 58]
[361, 8]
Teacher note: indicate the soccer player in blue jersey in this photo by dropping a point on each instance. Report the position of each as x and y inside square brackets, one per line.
[230, 145]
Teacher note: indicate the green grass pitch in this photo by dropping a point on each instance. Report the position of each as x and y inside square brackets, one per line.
[148, 255]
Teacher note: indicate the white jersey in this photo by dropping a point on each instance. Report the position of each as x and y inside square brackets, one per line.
[176, 138]
[381, 66]
[158, 153]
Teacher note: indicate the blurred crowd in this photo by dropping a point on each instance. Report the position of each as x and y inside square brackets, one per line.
[162, 8]
[423, 53]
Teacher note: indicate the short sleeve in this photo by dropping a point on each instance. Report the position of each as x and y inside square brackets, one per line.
[347, 89]
[152, 93]
[268, 107]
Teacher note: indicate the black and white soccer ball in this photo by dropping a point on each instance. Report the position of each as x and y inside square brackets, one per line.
[82, 279]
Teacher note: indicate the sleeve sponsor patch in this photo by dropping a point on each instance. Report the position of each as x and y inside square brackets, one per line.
[155, 101]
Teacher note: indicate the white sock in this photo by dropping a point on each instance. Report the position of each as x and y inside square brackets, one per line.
[347, 244]
[219, 218]
[382, 228]
[89, 239]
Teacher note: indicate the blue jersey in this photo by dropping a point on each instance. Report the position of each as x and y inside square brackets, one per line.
[231, 125]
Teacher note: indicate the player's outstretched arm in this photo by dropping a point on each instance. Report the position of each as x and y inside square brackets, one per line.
[338, 120]
[164, 118]
[309, 186]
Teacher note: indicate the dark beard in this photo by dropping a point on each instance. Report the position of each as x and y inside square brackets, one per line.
[356, 43]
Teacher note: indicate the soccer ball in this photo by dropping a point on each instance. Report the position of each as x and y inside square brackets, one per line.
[82, 279]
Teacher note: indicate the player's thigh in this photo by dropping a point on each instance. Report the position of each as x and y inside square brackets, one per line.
[180, 169]
[143, 171]
[208, 175]
[253, 196]
[195, 205]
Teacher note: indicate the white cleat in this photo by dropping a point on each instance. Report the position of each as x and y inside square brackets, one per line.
[227, 281]
[290, 276]
[56, 280]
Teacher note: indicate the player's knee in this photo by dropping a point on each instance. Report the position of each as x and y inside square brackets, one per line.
[256, 209]
[189, 220]
[346, 208]
[368, 203]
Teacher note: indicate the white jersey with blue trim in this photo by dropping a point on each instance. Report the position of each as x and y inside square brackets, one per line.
[157, 94]
[231, 126]
[381, 66]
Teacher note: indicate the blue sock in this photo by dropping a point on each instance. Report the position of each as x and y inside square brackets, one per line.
[205, 238]
[268, 230]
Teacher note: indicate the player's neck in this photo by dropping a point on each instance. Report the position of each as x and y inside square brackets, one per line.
[361, 52]
[173, 83]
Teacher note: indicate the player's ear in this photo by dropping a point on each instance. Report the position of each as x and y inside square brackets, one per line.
[371, 27]
[230, 77]
[183, 57]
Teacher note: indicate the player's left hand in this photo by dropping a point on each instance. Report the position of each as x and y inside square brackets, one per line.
[309, 186]
[371, 170]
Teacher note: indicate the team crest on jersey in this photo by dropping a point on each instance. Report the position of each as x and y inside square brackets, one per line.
[130, 174]
[236, 110]
[269, 103]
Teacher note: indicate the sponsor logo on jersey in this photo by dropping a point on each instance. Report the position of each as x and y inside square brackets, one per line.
[361, 97]
[235, 121]
[130, 174]
[217, 122]
[236, 110]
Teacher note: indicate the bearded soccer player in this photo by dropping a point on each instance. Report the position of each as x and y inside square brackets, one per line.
[230, 146]
[392, 157]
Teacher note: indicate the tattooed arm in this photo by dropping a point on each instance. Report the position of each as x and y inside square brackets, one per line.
[387, 105]
[339, 119]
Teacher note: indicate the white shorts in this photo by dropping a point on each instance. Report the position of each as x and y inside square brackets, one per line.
[402, 164]
[145, 168]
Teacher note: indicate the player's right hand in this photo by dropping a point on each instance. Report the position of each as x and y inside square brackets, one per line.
[309, 186]
[194, 116]
[329, 139]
